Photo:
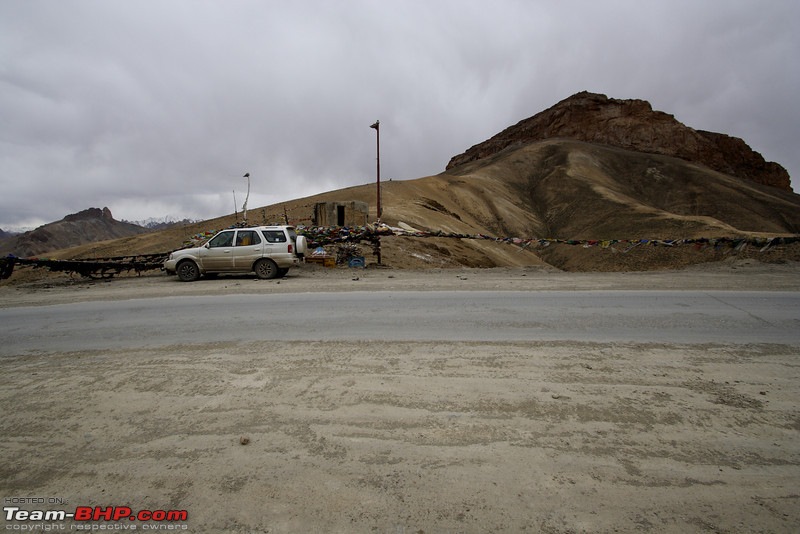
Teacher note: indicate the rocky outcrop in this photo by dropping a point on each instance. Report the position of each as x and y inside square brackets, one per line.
[633, 125]
[91, 213]
[90, 225]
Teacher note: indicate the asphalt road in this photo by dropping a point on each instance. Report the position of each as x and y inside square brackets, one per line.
[603, 316]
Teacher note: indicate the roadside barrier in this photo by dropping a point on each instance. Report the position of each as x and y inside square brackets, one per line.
[319, 236]
[89, 268]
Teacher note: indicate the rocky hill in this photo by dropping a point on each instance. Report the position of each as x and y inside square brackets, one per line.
[87, 226]
[633, 125]
[556, 189]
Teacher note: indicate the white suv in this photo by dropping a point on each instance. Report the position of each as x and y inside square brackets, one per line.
[269, 251]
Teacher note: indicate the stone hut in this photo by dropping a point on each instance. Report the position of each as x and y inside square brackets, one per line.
[347, 213]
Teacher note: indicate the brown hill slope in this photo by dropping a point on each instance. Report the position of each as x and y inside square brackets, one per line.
[574, 190]
[632, 125]
[407, 201]
[561, 189]
[86, 226]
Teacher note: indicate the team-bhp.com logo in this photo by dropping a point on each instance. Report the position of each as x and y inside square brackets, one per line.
[95, 513]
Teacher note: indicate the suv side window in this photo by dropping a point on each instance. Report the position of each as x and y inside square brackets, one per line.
[274, 236]
[224, 239]
[245, 238]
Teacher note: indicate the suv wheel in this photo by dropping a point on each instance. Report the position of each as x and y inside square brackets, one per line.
[188, 271]
[266, 269]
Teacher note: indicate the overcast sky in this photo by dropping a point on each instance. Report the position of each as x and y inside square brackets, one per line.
[157, 108]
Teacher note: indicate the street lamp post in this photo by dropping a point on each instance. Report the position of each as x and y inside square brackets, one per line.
[377, 127]
[377, 243]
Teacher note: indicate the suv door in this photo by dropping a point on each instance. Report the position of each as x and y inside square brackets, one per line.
[246, 250]
[217, 256]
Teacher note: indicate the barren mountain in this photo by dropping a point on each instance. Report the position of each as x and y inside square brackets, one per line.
[633, 125]
[556, 189]
[86, 226]
[612, 171]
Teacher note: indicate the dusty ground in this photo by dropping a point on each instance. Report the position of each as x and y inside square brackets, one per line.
[734, 273]
[414, 437]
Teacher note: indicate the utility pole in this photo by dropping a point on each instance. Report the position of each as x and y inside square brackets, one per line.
[377, 127]
[377, 243]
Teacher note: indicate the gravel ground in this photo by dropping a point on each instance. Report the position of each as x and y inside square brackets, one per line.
[415, 436]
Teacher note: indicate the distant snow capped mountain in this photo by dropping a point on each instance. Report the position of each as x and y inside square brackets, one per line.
[14, 230]
[159, 223]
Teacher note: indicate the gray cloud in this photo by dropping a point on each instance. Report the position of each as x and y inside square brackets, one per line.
[158, 108]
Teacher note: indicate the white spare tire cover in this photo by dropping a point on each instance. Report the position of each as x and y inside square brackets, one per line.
[301, 244]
